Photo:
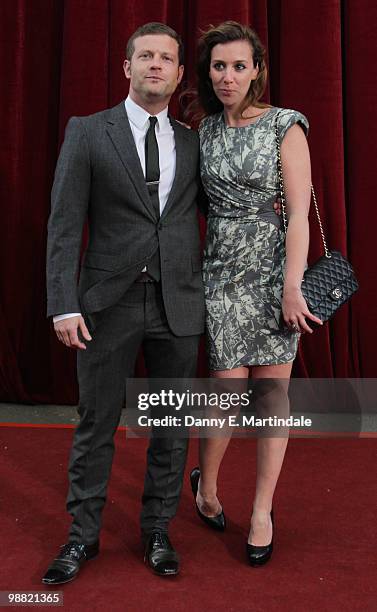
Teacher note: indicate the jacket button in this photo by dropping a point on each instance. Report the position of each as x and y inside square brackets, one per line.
[160, 226]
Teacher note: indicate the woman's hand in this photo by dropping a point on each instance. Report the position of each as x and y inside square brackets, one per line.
[295, 310]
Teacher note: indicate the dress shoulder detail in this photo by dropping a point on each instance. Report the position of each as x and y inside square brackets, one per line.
[288, 117]
[208, 122]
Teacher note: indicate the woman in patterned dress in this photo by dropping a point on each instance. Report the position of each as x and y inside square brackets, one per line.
[252, 274]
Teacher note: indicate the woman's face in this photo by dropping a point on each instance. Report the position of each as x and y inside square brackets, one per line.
[231, 71]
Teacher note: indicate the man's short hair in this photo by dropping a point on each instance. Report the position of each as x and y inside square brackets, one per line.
[154, 27]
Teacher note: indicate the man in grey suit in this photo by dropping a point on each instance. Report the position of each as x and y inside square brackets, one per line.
[132, 172]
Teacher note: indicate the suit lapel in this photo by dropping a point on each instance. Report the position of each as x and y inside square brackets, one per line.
[180, 163]
[119, 130]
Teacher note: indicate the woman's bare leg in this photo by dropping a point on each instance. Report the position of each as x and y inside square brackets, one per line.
[270, 456]
[211, 452]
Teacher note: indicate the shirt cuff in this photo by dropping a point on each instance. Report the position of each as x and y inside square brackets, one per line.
[66, 316]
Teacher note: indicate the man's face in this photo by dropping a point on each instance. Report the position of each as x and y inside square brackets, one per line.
[154, 69]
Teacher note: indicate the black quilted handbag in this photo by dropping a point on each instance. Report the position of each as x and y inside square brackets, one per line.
[330, 281]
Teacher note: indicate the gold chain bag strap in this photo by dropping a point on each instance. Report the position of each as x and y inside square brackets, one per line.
[330, 281]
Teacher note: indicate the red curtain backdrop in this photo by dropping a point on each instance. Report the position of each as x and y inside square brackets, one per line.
[64, 57]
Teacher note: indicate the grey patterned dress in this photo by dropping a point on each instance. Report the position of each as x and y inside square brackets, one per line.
[244, 258]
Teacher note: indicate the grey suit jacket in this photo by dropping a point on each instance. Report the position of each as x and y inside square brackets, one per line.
[99, 178]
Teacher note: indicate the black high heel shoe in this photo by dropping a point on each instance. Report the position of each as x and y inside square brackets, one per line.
[215, 522]
[259, 555]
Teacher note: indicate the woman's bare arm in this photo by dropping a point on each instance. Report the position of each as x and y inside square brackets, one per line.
[297, 182]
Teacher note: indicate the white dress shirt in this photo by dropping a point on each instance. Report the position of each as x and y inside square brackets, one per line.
[139, 123]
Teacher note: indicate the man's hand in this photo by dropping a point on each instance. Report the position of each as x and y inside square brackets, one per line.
[66, 331]
[277, 207]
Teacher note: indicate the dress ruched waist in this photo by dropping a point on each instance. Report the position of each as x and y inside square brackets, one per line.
[246, 217]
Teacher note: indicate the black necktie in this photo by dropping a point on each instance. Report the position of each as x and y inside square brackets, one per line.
[152, 166]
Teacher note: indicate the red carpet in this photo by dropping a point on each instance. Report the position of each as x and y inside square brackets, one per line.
[325, 556]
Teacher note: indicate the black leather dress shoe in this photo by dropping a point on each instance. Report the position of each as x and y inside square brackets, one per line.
[66, 565]
[160, 555]
[259, 555]
[215, 522]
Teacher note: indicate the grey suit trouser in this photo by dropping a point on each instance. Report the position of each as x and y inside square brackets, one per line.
[118, 332]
